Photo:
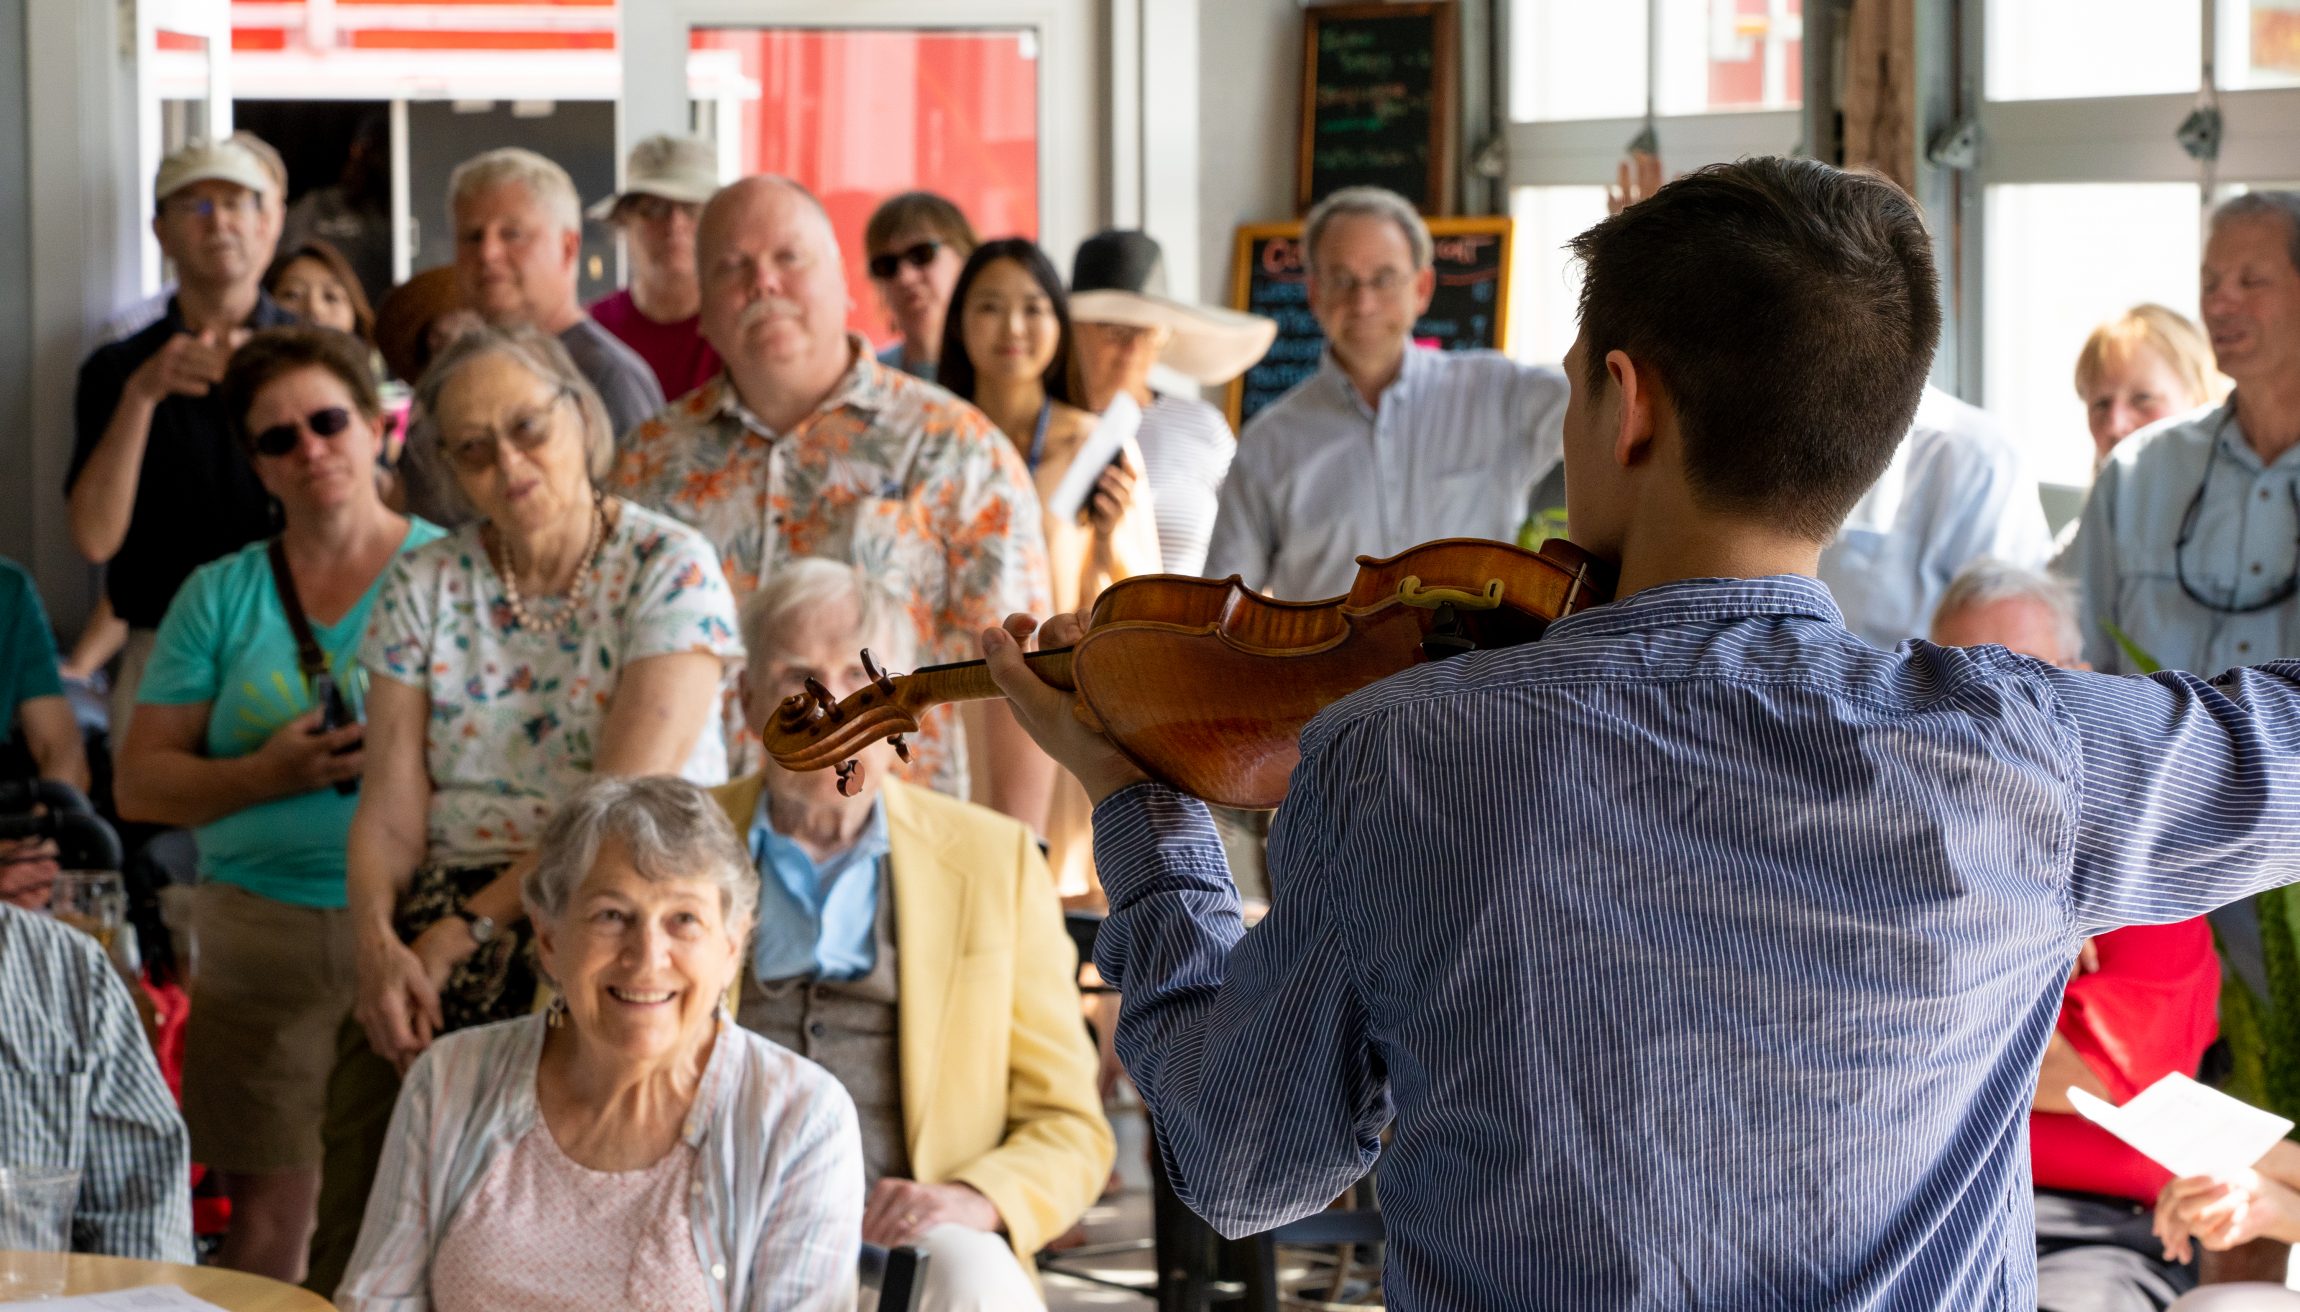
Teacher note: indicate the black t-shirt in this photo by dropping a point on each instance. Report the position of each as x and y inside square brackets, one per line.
[196, 496]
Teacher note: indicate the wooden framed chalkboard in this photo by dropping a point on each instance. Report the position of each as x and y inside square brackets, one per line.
[1378, 101]
[1468, 310]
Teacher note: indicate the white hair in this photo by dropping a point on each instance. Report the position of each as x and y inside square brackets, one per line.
[1372, 202]
[809, 583]
[545, 181]
[1988, 581]
[670, 829]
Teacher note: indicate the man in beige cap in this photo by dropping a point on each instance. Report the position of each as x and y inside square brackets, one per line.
[157, 486]
[518, 260]
[659, 315]
[135, 318]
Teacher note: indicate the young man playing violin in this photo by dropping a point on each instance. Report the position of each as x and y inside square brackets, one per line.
[1698, 955]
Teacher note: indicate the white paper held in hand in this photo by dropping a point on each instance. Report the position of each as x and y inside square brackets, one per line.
[144, 1298]
[1119, 424]
[2186, 1128]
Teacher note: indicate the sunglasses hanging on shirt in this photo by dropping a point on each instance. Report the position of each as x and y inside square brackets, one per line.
[2276, 597]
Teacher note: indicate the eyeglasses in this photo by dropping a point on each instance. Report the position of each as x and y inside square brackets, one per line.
[242, 202]
[917, 257]
[279, 439]
[1345, 285]
[525, 431]
[2283, 592]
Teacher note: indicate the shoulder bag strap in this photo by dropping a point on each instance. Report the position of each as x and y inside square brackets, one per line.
[307, 652]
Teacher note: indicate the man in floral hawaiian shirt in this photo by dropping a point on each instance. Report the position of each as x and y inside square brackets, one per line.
[806, 446]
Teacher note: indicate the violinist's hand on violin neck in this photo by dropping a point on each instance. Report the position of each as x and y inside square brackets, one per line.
[1057, 720]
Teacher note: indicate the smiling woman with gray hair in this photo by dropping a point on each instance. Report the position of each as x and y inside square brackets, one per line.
[631, 1147]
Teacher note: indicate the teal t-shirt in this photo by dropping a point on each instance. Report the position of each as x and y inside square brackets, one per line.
[226, 642]
[27, 647]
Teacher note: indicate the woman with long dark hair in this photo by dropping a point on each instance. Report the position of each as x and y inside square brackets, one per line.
[1006, 348]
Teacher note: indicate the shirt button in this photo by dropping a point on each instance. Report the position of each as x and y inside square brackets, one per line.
[718, 1270]
[2264, 494]
[2256, 567]
[2243, 647]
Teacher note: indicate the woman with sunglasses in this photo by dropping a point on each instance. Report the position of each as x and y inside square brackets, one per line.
[916, 242]
[247, 730]
[1006, 348]
[562, 633]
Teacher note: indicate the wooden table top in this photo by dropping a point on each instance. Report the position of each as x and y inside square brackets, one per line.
[237, 1291]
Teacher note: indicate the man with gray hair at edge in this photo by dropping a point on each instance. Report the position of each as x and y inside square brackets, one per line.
[1390, 443]
[518, 254]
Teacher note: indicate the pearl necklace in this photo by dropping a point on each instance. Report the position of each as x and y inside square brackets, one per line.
[570, 600]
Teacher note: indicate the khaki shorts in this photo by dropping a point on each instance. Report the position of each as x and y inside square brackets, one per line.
[275, 984]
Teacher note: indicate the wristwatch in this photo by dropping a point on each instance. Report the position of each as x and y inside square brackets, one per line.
[483, 930]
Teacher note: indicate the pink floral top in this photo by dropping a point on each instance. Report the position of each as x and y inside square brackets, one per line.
[543, 1233]
[892, 474]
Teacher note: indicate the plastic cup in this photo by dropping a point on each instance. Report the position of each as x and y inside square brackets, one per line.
[35, 1230]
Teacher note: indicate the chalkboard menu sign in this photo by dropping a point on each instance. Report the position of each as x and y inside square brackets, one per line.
[1469, 309]
[1377, 101]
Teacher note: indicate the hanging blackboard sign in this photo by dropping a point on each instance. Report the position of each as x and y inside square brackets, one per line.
[1468, 310]
[1378, 101]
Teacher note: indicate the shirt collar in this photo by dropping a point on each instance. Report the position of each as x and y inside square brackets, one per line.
[775, 854]
[1705, 601]
[1412, 366]
[866, 385]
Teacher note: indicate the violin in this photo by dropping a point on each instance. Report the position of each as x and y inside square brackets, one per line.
[1206, 684]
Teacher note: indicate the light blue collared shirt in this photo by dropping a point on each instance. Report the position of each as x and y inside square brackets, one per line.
[1699, 917]
[2241, 551]
[1956, 491]
[1453, 450]
[816, 922]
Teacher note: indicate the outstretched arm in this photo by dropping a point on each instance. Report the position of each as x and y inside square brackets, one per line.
[1250, 1050]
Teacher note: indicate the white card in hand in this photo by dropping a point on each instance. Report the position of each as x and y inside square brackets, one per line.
[1119, 424]
[2187, 1128]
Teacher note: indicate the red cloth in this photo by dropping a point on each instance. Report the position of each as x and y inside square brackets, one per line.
[681, 359]
[2151, 1009]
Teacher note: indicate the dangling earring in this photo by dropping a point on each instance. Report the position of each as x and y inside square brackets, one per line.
[556, 1016]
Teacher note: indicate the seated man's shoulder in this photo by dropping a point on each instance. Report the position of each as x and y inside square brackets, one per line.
[49, 952]
[1490, 366]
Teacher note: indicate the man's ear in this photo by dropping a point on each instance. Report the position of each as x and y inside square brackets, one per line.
[1425, 287]
[743, 698]
[1635, 385]
[571, 247]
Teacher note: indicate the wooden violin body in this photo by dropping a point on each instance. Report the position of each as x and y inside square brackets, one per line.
[1206, 684]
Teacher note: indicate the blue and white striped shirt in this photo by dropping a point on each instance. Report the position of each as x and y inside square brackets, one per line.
[1699, 955]
[79, 1090]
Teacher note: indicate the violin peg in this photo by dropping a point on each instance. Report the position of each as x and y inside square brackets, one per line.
[823, 699]
[846, 771]
[901, 748]
[878, 677]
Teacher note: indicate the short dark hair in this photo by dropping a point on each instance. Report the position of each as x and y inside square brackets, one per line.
[1789, 309]
[338, 268]
[275, 353]
[2266, 204]
[918, 209]
[954, 368]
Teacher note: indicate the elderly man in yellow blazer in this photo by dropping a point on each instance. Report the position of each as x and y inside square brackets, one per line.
[913, 945]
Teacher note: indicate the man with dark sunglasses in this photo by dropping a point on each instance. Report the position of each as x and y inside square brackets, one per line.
[157, 486]
[659, 315]
[917, 243]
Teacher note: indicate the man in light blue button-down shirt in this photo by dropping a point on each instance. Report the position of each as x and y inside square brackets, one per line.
[2189, 553]
[1698, 955]
[1389, 444]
